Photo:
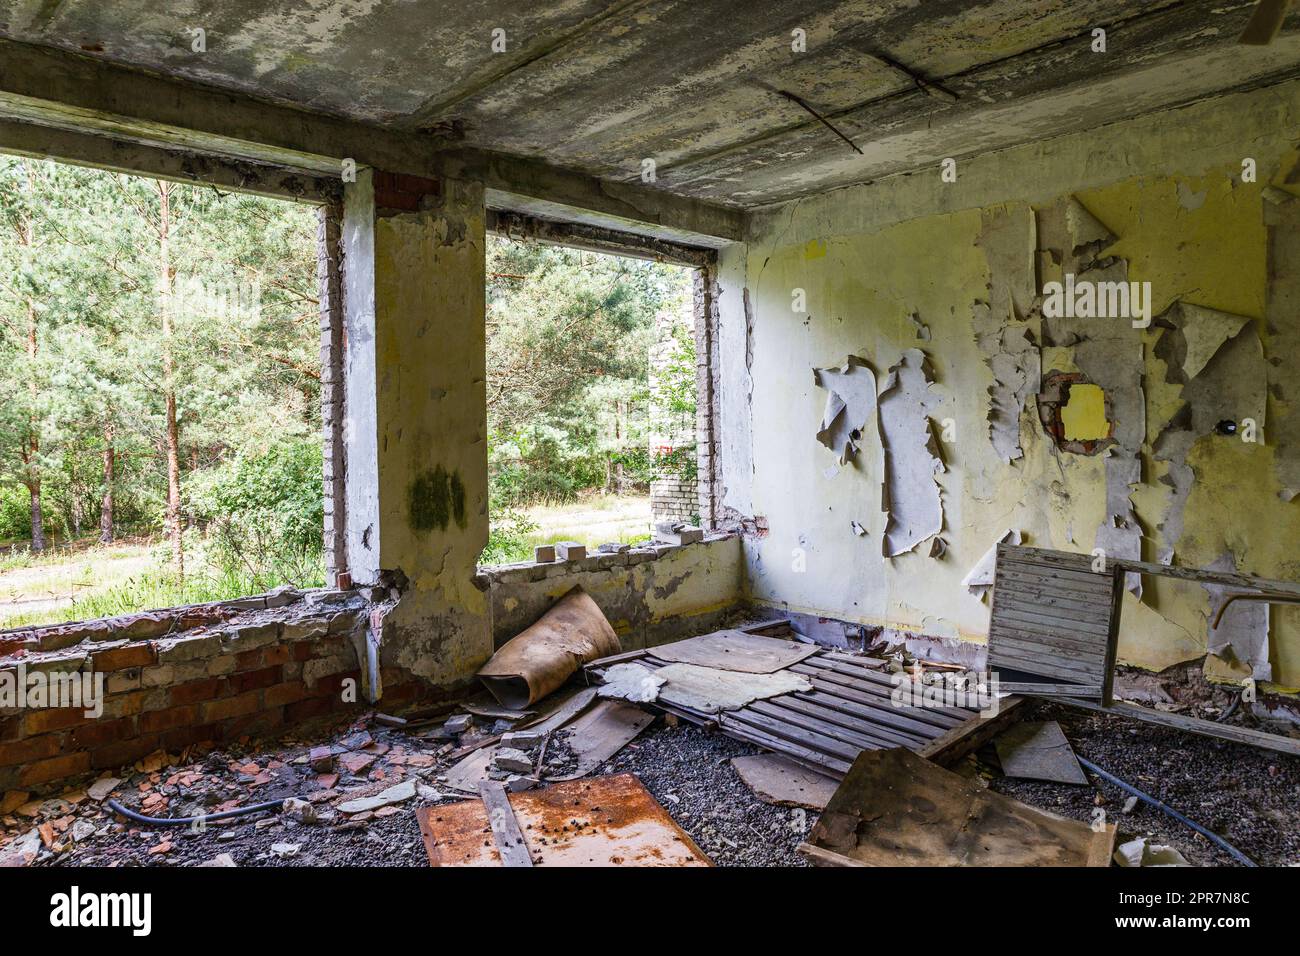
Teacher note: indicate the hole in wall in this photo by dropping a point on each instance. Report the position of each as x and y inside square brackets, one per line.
[1076, 413]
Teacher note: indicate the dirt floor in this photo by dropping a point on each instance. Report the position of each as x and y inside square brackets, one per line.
[1249, 796]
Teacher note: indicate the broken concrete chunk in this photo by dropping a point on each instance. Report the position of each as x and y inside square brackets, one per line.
[22, 851]
[222, 860]
[510, 760]
[321, 759]
[544, 553]
[458, 723]
[571, 550]
[1142, 852]
[676, 533]
[285, 850]
[523, 739]
[519, 783]
[613, 547]
[299, 810]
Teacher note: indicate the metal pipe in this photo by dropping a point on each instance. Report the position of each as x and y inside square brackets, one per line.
[1147, 798]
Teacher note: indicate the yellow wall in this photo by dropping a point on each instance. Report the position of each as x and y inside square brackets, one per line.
[1184, 222]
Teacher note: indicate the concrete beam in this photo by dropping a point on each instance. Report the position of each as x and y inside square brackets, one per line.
[65, 91]
[100, 152]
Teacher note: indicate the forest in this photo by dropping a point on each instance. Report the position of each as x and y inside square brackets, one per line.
[160, 411]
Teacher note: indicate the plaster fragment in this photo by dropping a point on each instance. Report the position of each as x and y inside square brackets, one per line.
[980, 578]
[850, 405]
[1242, 634]
[911, 494]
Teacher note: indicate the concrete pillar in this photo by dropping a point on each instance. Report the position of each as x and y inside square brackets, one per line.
[416, 418]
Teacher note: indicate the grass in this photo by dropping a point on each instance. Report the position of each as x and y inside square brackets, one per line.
[106, 580]
[590, 520]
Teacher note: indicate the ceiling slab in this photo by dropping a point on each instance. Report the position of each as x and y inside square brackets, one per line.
[598, 86]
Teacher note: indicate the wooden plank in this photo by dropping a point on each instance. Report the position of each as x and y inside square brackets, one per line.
[1194, 725]
[1092, 654]
[1082, 578]
[887, 718]
[1244, 581]
[867, 679]
[1051, 690]
[828, 715]
[1097, 625]
[1040, 669]
[970, 736]
[805, 738]
[1049, 597]
[870, 694]
[871, 663]
[795, 718]
[1023, 579]
[505, 828]
[1016, 649]
[806, 757]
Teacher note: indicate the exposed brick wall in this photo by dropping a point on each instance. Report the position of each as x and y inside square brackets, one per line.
[707, 390]
[329, 279]
[190, 676]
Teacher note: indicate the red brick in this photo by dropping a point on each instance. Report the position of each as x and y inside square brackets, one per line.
[333, 683]
[307, 709]
[100, 732]
[33, 748]
[280, 694]
[117, 658]
[52, 718]
[196, 691]
[178, 738]
[276, 655]
[55, 768]
[157, 720]
[253, 680]
[253, 725]
[215, 710]
[123, 752]
[247, 660]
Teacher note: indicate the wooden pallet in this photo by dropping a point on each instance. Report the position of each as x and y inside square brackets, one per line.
[848, 710]
[1054, 624]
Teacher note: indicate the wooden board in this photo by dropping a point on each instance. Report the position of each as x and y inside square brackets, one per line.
[620, 824]
[895, 808]
[511, 848]
[735, 650]
[1054, 622]
[1194, 725]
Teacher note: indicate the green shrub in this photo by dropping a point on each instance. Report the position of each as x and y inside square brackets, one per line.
[508, 538]
[264, 515]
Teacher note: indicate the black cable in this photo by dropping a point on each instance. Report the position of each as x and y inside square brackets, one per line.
[1146, 797]
[116, 807]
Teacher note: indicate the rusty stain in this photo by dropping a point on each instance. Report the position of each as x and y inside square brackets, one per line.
[604, 821]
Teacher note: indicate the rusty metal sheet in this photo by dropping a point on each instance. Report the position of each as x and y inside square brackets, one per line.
[604, 821]
[543, 656]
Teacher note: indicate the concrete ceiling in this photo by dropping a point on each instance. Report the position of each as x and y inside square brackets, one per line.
[600, 85]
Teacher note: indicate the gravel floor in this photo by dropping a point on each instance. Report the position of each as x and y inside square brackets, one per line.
[1250, 797]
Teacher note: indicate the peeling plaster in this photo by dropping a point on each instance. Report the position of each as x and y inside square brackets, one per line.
[910, 494]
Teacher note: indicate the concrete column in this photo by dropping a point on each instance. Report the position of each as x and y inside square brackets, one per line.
[416, 418]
